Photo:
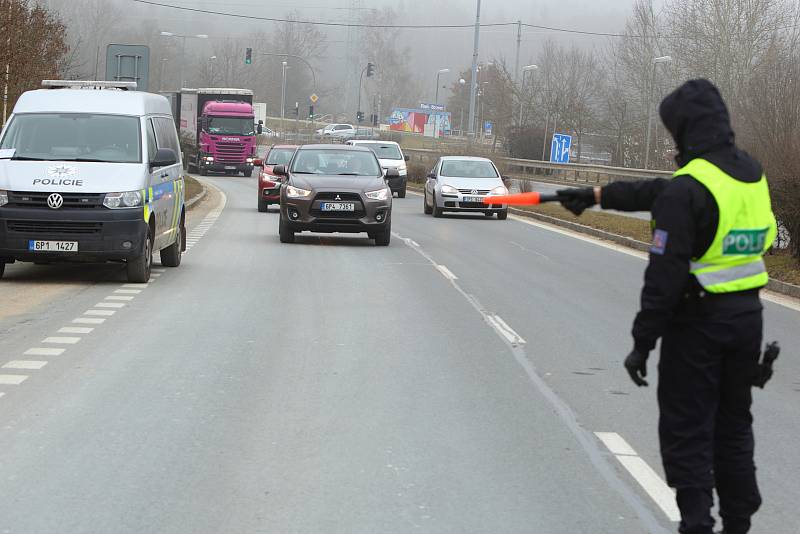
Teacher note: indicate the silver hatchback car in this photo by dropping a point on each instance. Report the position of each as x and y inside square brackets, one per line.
[460, 183]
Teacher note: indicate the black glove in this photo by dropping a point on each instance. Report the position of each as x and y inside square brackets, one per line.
[636, 364]
[577, 199]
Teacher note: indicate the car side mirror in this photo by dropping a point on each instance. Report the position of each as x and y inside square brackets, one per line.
[432, 175]
[258, 162]
[406, 157]
[393, 173]
[164, 158]
[279, 170]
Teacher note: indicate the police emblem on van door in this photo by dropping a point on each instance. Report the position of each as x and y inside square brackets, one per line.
[55, 201]
[61, 171]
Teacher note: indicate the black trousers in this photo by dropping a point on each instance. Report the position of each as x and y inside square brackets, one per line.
[709, 358]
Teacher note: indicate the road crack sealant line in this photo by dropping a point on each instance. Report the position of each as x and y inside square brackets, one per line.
[53, 346]
[587, 440]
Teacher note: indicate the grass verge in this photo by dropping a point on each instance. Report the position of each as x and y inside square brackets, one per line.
[193, 188]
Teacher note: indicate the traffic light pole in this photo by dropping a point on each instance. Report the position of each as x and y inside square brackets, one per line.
[360, 82]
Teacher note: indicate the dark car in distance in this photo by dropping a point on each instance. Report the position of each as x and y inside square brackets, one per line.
[335, 188]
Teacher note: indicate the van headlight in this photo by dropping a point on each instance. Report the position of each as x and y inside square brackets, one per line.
[3, 197]
[500, 190]
[296, 192]
[380, 194]
[127, 199]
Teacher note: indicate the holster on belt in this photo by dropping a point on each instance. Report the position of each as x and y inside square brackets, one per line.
[764, 372]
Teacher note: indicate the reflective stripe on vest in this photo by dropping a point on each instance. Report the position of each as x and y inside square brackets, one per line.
[745, 231]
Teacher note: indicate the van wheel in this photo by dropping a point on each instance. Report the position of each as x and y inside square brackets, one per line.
[402, 193]
[285, 232]
[171, 256]
[139, 268]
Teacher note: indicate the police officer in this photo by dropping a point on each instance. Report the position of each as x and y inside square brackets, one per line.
[712, 223]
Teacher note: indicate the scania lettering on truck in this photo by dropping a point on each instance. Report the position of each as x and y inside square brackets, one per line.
[218, 129]
[91, 172]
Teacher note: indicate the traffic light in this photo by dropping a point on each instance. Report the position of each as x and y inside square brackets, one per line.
[296, 109]
[248, 56]
[360, 116]
[370, 69]
[311, 112]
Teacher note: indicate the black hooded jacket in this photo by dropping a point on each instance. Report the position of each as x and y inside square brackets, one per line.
[684, 212]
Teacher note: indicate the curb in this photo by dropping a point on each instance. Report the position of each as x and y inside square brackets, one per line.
[198, 197]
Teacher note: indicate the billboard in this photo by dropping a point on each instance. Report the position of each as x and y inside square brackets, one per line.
[414, 121]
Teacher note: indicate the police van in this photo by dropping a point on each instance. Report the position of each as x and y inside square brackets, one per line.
[91, 172]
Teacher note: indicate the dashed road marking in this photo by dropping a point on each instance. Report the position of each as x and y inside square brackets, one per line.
[1, 394]
[446, 272]
[12, 380]
[25, 364]
[75, 330]
[100, 313]
[135, 286]
[645, 475]
[88, 320]
[506, 331]
[158, 270]
[119, 297]
[128, 291]
[110, 305]
[58, 340]
[155, 275]
[44, 351]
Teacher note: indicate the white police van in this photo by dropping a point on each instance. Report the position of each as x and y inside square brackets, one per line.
[91, 171]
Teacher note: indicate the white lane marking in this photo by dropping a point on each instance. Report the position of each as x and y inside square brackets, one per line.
[75, 330]
[528, 250]
[57, 340]
[12, 380]
[1, 394]
[42, 351]
[100, 313]
[25, 364]
[615, 443]
[135, 286]
[158, 270]
[648, 479]
[110, 305]
[446, 272]
[88, 320]
[506, 331]
[155, 275]
[128, 291]
[115, 297]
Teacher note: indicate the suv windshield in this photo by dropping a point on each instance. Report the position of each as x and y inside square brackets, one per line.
[336, 162]
[385, 151]
[231, 126]
[74, 137]
[468, 169]
[280, 156]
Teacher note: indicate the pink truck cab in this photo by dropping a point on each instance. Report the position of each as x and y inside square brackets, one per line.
[227, 139]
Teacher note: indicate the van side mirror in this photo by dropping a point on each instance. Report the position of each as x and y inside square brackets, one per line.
[279, 170]
[164, 158]
[406, 157]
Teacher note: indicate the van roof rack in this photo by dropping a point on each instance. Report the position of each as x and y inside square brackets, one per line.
[88, 84]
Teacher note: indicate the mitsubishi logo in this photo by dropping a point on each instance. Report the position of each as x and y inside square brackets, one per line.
[55, 201]
[474, 192]
[338, 197]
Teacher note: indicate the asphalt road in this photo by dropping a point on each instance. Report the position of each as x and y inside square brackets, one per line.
[452, 382]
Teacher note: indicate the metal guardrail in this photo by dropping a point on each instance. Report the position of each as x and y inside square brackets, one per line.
[533, 170]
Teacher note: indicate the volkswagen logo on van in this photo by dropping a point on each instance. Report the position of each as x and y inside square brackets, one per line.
[55, 201]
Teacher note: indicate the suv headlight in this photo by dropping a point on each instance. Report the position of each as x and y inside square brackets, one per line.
[449, 190]
[3, 197]
[127, 199]
[380, 194]
[500, 190]
[296, 192]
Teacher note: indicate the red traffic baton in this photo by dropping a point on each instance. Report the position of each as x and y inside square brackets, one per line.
[521, 199]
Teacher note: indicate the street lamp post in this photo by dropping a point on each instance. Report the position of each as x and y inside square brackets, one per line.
[183, 50]
[211, 61]
[462, 82]
[474, 81]
[284, 66]
[440, 72]
[529, 68]
[161, 74]
[656, 61]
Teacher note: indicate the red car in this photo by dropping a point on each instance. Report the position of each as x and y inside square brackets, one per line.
[269, 185]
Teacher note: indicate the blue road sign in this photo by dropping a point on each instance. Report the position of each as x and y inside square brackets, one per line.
[487, 127]
[559, 148]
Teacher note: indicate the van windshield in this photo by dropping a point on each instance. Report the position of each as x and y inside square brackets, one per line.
[74, 137]
[385, 151]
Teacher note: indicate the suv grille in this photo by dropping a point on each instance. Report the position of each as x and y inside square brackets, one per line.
[342, 197]
[350, 197]
[54, 227]
[24, 199]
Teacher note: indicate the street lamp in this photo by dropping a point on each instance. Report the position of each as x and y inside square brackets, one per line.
[656, 61]
[528, 68]
[440, 72]
[183, 49]
[462, 82]
[284, 66]
[211, 61]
